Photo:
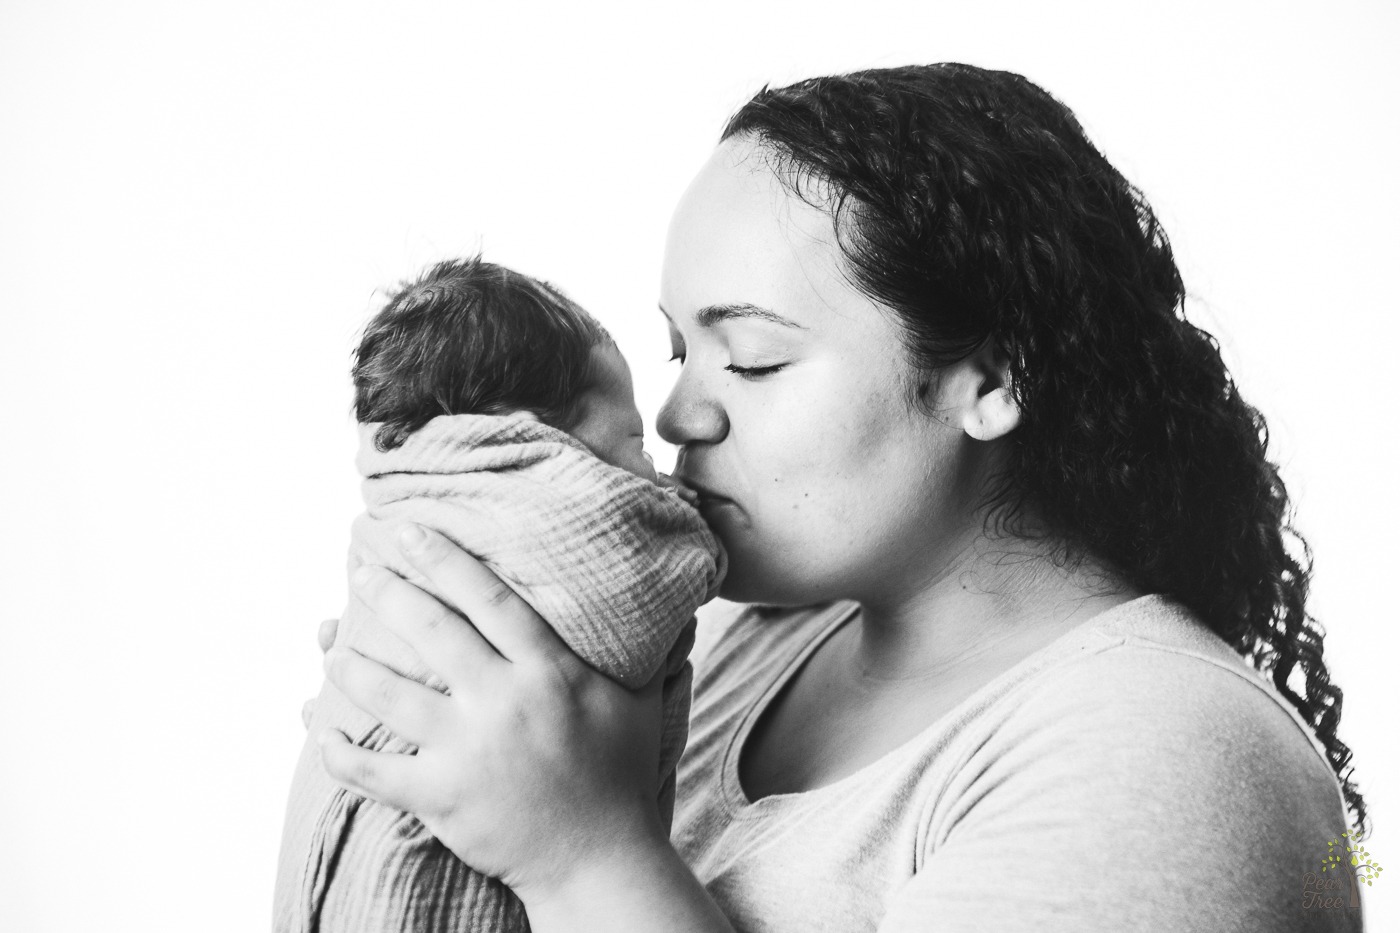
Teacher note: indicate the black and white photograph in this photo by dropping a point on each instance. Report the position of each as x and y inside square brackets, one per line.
[733, 468]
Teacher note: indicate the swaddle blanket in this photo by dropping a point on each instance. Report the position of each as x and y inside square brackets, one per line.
[616, 564]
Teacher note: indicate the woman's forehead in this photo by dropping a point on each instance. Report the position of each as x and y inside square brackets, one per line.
[740, 236]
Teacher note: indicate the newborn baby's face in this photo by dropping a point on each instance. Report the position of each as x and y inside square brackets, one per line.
[609, 423]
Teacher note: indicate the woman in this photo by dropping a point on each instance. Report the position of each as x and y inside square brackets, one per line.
[1013, 544]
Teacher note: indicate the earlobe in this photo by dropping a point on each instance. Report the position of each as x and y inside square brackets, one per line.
[995, 414]
[992, 411]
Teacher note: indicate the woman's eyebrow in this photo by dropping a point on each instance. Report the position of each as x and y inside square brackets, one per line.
[710, 315]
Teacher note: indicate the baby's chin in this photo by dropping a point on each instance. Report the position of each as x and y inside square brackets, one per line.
[639, 466]
[645, 470]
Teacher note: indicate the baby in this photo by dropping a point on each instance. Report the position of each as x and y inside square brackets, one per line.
[498, 412]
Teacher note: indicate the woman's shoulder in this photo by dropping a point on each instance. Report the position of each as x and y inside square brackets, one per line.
[1146, 711]
[1154, 656]
[1142, 748]
[1153, 677]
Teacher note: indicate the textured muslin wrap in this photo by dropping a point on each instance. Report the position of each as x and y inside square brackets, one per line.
[614, 563]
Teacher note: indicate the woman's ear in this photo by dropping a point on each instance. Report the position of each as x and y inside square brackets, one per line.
[991, 412]
[995, 415]
[524, 414]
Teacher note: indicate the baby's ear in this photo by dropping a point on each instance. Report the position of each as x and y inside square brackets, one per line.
[524, 414]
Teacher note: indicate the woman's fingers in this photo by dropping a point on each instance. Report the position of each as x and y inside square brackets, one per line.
[376, 775]
[444, 641]
[504, 619]
[325, 639]
[325, 635]
[408, 708]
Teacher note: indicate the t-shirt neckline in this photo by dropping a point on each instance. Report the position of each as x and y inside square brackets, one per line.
[737, 802]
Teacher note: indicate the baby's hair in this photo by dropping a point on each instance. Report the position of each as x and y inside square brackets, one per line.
[469, 337]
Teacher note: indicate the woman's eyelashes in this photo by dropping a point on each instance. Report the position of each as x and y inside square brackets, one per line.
[753, 372]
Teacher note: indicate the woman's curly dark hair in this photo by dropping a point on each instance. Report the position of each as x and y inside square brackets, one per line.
[971, 203]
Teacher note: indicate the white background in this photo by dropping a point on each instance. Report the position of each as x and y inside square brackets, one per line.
[198, 202]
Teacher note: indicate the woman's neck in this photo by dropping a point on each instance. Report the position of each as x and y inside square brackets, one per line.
[996, 602]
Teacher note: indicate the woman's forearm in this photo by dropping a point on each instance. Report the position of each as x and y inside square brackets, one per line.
[644, 889]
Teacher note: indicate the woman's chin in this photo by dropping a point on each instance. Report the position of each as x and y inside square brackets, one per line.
[755, 580]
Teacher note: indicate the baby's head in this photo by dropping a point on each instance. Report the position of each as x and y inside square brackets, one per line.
[473, 338]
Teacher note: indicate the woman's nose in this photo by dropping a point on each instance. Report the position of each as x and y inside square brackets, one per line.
[690, 415]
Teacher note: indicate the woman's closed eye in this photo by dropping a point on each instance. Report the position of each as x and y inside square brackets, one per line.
[754, 372]
[745, 372]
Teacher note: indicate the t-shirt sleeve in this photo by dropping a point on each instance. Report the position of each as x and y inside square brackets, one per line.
[1138, 789]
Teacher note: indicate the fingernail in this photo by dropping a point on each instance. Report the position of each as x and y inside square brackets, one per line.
[362, 575]
[412, 538]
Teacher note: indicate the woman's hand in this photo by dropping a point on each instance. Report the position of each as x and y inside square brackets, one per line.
[325, 634]
[537, 769]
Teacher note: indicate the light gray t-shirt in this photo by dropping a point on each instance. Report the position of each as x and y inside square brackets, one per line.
[1136, 774]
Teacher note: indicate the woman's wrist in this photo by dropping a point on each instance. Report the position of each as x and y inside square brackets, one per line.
[642, 885]
[626, 846]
